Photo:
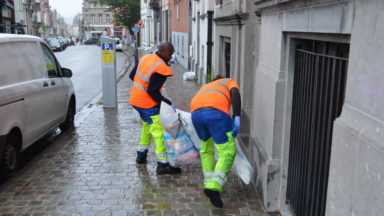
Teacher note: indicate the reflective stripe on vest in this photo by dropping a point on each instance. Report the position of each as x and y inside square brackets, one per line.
[145, 78]
[222, 83]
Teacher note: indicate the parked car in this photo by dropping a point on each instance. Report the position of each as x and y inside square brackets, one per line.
[64, 41]
[55, 45]
[36, 96]
[70, 42]
[93, 40]
[63, 44]
[119, 45]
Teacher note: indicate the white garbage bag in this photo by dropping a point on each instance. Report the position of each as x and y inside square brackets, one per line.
[187, 125]
[241, 167]
[136, 116]
[189, 76]
[180, 151]
[169, 119]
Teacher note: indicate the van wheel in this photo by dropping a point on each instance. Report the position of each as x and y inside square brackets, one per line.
[69, 120]
[10, 159]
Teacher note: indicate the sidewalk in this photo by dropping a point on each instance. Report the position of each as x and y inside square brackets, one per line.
[91, 170]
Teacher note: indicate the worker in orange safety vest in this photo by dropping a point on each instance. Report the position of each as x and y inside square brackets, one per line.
[212, 121]
[148, 77]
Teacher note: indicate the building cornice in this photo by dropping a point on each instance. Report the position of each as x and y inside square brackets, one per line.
[236, 19]
[268, 3]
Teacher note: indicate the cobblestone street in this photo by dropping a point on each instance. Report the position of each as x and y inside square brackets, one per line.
[91, 170]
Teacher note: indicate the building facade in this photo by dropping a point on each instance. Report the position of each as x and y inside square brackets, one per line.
[180, 37]
[146, 34]
[7, 16]
[312, 97]
[96, 20]
[75, 30]
[198, 32]
[166, 16]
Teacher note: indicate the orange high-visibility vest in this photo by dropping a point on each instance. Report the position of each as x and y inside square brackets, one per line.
[215, 94]
[148, 65]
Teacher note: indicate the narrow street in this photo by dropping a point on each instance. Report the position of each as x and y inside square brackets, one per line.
[85, 63]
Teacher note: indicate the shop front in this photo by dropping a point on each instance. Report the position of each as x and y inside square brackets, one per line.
[118, 33]
[7, 16]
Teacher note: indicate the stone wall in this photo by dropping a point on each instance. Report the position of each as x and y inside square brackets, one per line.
[355, 186]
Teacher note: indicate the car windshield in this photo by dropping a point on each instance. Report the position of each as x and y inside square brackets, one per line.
[54, 42]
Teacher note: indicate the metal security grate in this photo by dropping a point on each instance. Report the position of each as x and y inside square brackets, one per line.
[318, 96]
[227, 60]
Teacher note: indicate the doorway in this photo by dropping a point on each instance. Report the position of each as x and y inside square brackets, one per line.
[318, 96]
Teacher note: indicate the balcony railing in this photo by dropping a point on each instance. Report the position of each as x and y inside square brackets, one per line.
[154, 4]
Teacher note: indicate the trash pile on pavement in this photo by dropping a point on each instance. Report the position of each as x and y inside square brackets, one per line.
[183, 145]
[189, 76]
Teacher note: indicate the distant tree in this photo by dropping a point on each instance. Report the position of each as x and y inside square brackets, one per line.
[125, 12]
[44, 28]
[76, 20]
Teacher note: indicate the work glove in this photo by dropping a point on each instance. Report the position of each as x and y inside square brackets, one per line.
[174, 107]
[236, 126]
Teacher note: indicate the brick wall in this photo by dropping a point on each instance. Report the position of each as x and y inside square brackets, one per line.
[181, 24]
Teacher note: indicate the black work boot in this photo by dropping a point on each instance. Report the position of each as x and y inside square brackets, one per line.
[214, 197]
[141, 160]
[167, 169]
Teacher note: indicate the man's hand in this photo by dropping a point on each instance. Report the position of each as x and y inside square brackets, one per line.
[236, 126]
[173, 106]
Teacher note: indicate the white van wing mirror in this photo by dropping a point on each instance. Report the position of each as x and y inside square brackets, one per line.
[66, 72]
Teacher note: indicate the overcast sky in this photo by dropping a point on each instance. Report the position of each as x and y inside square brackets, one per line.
[67, 8]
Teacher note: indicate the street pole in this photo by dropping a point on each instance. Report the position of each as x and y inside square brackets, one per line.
[141, 48]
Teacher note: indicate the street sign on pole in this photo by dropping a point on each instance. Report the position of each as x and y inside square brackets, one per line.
[125, 36]
[140, 24]
[135, 29]
[133, 37]
[108, 62]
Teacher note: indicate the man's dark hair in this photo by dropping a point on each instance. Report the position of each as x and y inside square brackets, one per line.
[217, 77]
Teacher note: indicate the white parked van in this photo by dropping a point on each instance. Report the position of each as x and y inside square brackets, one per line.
[36, 96]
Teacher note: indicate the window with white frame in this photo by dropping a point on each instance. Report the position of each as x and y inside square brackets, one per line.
[108, 19]
[93, 18]
[178, 12]
[92, 5]
[100, 18]
[86, 18]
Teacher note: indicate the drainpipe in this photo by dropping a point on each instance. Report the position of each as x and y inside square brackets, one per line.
[209, 46]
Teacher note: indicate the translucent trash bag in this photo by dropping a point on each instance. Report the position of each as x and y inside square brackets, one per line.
[180, 151]
[169, 119]
[189, 76]
[241, 167]
[187, 125]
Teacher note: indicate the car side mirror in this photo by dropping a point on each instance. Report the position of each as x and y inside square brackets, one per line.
[66, 72]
